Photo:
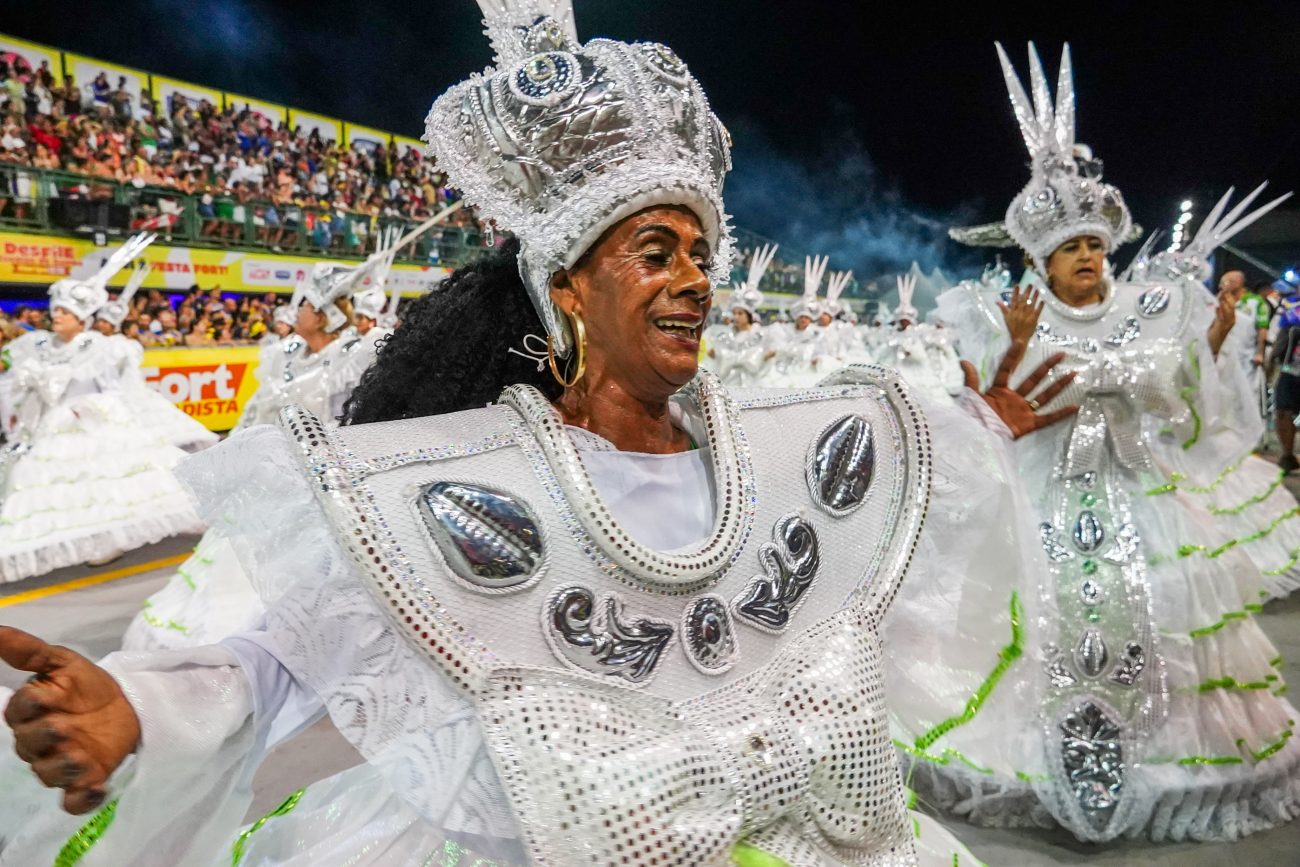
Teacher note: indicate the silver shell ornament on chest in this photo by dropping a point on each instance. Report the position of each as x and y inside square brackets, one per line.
[790, 564]
[709, 635]
[488, 538]
[840, 465]
[595, 637]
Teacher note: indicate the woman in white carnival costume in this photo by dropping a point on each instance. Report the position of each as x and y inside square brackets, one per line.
[1103, 678]
[801, 354]
[630, 618]
[209, 596]
[742, 354]
[84, 479]
[909, 348]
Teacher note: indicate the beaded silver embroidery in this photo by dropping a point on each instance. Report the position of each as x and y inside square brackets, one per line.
[1057, 671]
[595, 638]
[1093, 756]
[1130, 665]
[1125, 332]
[488, 538]
[1153, 301]
[708, 635]
[1091, 656]
[1056, 552]
[1088, 532]
[840, 463]
[790, 563]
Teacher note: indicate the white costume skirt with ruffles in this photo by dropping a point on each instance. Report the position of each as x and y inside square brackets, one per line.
[967, 673]
[94, 483]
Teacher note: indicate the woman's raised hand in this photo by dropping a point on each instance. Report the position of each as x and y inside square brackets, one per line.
[1021, 313]
[71, 721]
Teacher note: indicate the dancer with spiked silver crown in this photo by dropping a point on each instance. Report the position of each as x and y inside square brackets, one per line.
[84, 479]
[800, 350]
[619, 615]
[742, 354]
[1109, 678]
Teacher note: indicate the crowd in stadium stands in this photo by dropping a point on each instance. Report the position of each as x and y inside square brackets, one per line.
[196, 318]
[236, 162]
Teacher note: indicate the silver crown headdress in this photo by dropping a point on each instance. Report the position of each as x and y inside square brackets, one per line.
[83, 298]
[747, 296]
[115, 311]
[1065, 196]
[835, 286]
[561, 141]
[814, 268]
[906, 290]
[1193, 261]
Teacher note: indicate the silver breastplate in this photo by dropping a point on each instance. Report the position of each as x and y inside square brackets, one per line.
[643, 704]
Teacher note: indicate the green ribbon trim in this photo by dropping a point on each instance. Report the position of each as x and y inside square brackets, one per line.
[158, 623]
[945, 758]
[1258, 498]
[86, 836]
[1223, 621]
[1285, 567]
[241, 842]
[1175, 478]
[1266, 752]
[1232, 683]
[1188, 550]
[1187, 394]
[1006, 657]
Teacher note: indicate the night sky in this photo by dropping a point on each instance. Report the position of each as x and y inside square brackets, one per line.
[859, 133]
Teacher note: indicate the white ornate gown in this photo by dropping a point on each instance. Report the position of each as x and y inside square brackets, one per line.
[533, 660]
[1102, 670]
[209, 596]
[86, 476]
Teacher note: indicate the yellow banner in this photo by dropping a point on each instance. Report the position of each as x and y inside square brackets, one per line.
[41, 259]
[268, 111]
[366, 137]
[25, 58]
[303, 122]
[211, 385]
[165, 91]
[87, 69]
[403, 142]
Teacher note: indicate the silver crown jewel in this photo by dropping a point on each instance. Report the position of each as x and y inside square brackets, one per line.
[84, 298]
[748, 296]
[1065, 196]
[560, 141]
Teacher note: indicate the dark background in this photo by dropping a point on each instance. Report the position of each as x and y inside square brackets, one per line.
[862, 130]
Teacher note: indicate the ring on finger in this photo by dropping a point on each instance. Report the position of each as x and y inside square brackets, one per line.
[1033, 404]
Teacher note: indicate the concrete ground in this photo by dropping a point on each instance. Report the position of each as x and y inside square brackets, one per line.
[91, 619]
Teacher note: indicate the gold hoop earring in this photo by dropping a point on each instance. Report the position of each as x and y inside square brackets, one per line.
[580, 351]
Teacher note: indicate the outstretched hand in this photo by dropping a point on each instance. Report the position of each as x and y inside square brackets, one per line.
[1018, 407]
[71, 721]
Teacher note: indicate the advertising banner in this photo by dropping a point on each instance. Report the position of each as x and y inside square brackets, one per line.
[267, 112]
[87, 69]
[210, 385]
[327, 128]
[41, 259]
[365, 138]
[25, 58]
[167, 90]
[403, 143]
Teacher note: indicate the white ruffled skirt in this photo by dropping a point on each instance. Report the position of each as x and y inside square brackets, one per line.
[94, 483]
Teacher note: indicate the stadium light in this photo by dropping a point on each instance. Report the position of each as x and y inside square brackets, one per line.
[1185, 206]
[1290, 275]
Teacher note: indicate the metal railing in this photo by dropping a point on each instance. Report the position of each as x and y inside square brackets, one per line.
[42, 201]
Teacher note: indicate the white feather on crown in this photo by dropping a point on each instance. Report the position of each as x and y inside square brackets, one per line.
[1193, 261]
[906, 290]
[84, 298]
[116, 310]
[748, 296]
[814, 268]
[835, 287]
[1065, 196]
[561, 141]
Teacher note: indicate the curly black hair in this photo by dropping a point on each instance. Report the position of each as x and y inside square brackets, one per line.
[450, 352]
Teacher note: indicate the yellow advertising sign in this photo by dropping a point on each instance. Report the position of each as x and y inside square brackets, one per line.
[210, 385]
[87, 69]
[327, 128]
[26, 57]
[41, 259]
[268, 111]
[366, 137]
[403, 142]
[165, 90]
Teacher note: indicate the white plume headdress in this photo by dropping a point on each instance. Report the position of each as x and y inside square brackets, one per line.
[814, 268]
[1065, 196]
[371, 301]
[84, 298]
[835, 286]
[748, 296]
[1193, 261]
[116, 310]
[906, 290]
[561, 141]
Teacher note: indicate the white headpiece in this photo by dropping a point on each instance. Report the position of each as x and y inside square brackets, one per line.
[835, 286]
[561, 141]
[906, 289]
[747, 296]
[287, 314]
[882, 312]
[814, 267]
[371, 301]
[1193, 261]
[1065, 196]
[83, 298]
[115, 311]
[327, 284]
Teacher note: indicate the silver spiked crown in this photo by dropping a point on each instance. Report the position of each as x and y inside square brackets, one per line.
[84, 298]
[1065, 196]
[747, 296]
[560, 141]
